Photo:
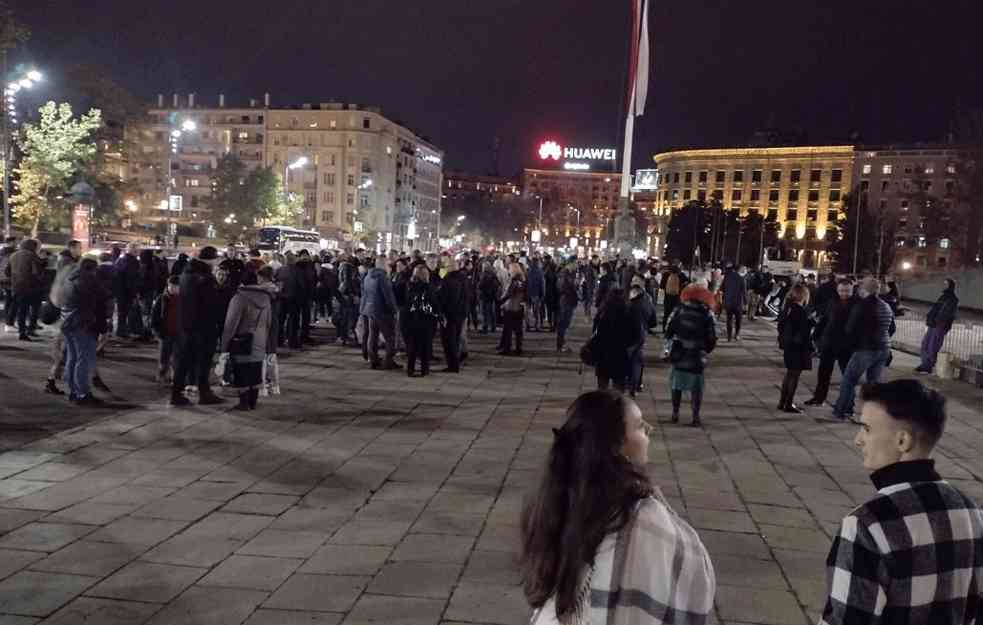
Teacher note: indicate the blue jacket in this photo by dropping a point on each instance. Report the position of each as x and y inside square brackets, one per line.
[535, 283]
[378, 298]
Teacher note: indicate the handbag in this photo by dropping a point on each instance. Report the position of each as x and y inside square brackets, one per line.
[242, 344]
[589, 352]
[50, 313]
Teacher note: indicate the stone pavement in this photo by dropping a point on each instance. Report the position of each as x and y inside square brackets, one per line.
[363, 497]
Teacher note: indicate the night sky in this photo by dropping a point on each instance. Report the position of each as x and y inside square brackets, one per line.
[462, 72]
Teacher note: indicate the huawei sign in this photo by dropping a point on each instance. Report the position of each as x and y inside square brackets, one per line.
[553, 150]
[550, 149]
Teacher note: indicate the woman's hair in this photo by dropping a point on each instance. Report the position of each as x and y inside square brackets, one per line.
[421, 273]
[588, 490]
[516, 270]
[614, 301]
[799, 294]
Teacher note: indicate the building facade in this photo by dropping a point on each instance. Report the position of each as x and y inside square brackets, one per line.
[363, 178]
[802, 188]
[905, 188]
[576, 204]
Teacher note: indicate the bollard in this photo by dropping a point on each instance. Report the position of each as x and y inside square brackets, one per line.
[943, 366]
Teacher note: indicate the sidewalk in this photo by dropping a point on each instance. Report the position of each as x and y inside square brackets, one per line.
[362, 497]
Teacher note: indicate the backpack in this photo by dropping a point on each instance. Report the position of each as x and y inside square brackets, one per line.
[489, 286]
[329, 278]
[672, 284]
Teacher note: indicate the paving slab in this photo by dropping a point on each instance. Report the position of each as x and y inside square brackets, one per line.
[35, 593]
[147, 582]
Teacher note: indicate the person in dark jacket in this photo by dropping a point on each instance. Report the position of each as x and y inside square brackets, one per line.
[418, 320]
[453, 296]
[795, 340]
[673, 283]
[551, 296]
[616, 334]
[126, 289]
[199, 329]
[306, 277]
[734, 300]
[692, 334]
[588, 282]
[26, 275]
[164, 322]
[938, 322]
[6, 251]
[345, 293]
[327, 284]
[83, 320]
[869, 328]
[826, 294]
[566, 290]
[489, 288]
[765, 285]
[179, 265]
[535, 296]
[643, 313]
[379, 307]
[147, 291]
[289, 283]
[513, 307]
[831, 339]
[605, 283]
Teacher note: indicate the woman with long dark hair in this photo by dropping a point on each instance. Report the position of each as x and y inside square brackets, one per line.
[616, 336]
[597, 525]
[795, 340]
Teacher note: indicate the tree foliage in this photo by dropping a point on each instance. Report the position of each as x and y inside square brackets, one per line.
[689, 230]
[54, 151]
[243, 199]
[287, 208]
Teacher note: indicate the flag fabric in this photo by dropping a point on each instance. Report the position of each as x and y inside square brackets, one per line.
[638, 68]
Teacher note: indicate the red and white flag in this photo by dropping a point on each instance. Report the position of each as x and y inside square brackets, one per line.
[638, 77]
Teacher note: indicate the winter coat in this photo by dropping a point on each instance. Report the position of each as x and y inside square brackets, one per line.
[347, 277]
[84, 304]
[735, 291]
[830, 333]
[286, 279]
[5, 253]
[616, 333]
[536, 283]
[643, 313]
[515, 296]
[489, 287]
[148, 275]
[422, 307]
[200, 305]
[691, 325]
[944, 311]
[305, 278]
[24, 268]
[251, 312]
[566, 287]
[795, 337]
[871, 325]
[453, 296]
[164, 316]
[401, 285]
[550, 277]
[378, 299]
[127, 276]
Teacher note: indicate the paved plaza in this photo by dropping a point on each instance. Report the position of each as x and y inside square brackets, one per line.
[361, 497]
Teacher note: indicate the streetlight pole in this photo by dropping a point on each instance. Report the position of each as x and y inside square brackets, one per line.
[856, 235]
[24, 81]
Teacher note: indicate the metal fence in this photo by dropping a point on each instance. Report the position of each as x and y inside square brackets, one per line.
[964, 341]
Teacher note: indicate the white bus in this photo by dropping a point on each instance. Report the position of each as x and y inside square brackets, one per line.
[284, 239]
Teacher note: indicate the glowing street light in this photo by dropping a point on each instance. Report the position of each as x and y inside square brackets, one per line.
[300, 162]
[189, 125]
[35, 75]
[461, 218]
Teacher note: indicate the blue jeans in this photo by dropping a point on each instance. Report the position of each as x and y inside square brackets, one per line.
[80, 358]
[564, 318]
[872, 363]
[488, 321]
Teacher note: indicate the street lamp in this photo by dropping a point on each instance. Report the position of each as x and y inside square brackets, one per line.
[187, 126]
[25, 80]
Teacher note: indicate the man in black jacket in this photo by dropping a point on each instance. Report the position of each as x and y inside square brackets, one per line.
[834, 345]
[126, 287]
[453, 297]
[938, 322]
[199, 328]
[347, 276]
[306, 279]
[26, 275]
[870, 328]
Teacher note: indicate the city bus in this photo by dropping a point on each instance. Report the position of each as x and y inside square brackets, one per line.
[284, 239]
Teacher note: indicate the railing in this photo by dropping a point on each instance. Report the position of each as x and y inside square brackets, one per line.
[964, 341]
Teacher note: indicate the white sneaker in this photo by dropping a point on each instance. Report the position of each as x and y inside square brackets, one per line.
[9, 329]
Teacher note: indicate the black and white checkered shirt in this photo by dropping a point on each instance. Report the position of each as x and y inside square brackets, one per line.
[912, 555]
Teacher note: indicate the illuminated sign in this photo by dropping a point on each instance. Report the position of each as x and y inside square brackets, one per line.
[646, 179]
[575, 158]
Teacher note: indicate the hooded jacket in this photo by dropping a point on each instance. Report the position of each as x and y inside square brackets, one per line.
[200, 305]
[84, 305]
[943, 312]
[251, 312]
[24, 268]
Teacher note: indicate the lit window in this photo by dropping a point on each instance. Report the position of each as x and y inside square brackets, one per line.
[887, 169]
[944, 244]
[950, 169]
[929, 169]
[867, 168]
[922, 242]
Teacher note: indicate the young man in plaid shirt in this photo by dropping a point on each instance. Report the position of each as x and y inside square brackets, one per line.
[913, 554]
